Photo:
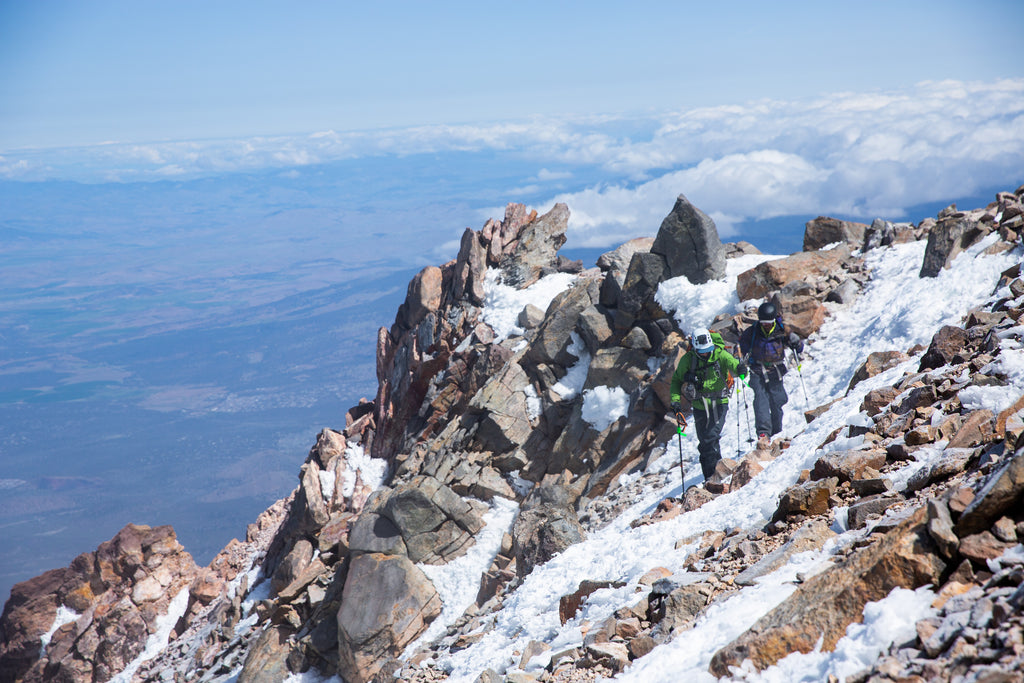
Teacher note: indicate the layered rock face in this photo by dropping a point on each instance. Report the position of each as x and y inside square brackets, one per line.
[109, 602]
[334, 578]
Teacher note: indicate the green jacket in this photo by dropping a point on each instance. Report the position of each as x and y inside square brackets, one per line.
[711, 375]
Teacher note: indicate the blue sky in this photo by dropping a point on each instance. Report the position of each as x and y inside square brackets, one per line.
[76, 73]
[754, 110]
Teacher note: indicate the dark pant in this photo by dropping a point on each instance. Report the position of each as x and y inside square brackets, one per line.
[709, 424]
[769, 397]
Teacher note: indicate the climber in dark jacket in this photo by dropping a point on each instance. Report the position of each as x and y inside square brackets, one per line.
[702, 378]
[764, 346]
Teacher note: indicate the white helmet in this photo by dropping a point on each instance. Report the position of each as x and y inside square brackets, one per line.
[701, 340]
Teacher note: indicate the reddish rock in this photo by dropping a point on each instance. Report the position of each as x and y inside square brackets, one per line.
[823, 231]
[806, 266]
[981, 547]
[976, 429]
[820, 610]
[876, 363]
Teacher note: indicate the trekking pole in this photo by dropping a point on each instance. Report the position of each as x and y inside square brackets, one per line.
[680, 426]
[746, 407]
[682, 473]
[799, 371]
[739, 386]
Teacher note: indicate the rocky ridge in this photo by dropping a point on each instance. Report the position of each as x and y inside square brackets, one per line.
[329, 578]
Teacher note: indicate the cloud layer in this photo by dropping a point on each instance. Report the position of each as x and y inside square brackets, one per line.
[856, 154]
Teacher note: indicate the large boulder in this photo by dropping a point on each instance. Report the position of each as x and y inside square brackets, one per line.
[387, 603]
[1003, 491]
[806, 266]
[618, 259]
[945, 241]
[470, 269]
[505, 416]
[423, 519]
[823, 231]
[551, 345]
[646, 271]
[423, 296]
[546, 525]
[688, 239]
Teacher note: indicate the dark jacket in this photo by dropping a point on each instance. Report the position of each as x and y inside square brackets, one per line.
[766, 350]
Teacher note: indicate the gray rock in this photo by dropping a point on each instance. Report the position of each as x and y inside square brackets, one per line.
[544, 527]
[810, 536]
[684, 604]
[551, 344]
[951, 462]
[617, 366]
[470, 269]
[646, 272]
[537, 249]
[619, 258]
[1001, 492]
[593, 328]
[530, 317]
[688, 239]
[374, 533]
[940, 527]
[881, 233]
[505, 423]
[945, 241]
[611, 288]
[637, 339]
[387, 603]
[845, 292]
[860, 512]
[267, 659]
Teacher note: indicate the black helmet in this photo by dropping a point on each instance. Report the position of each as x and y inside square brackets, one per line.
[767, 313]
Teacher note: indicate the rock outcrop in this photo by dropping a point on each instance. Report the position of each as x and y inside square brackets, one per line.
[104, 607]
[335, 578]
[688, 239]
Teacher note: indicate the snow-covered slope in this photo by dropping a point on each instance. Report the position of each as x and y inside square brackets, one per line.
[896, 311]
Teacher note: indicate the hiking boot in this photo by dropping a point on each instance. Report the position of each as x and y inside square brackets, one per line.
[763, 443]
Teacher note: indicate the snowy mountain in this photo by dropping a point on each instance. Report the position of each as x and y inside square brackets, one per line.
[514, 505]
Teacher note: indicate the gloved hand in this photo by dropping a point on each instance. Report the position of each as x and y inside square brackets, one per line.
[690, 392]
[677, 413]
[796, 343]
[742, 369]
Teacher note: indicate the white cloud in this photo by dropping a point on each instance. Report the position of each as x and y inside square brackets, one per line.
[863, 154]
[866, 155]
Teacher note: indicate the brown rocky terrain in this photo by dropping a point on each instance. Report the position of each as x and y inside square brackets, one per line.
[335, 579]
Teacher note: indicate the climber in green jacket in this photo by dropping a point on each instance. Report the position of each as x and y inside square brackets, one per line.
[703, 378]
